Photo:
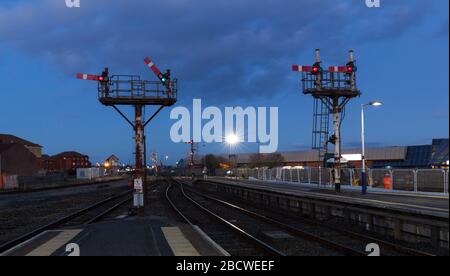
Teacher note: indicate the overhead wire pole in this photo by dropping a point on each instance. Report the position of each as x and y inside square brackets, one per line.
[130, 90]
[139, 143]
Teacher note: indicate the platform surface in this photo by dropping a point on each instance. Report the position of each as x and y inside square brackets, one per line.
[423, 204]
[121, 237]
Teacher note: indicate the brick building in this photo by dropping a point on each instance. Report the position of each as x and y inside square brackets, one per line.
[67, 162]
[32, 147]
[18, 157]
[17, 160]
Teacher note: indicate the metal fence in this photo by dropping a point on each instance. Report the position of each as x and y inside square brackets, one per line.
[419, 180]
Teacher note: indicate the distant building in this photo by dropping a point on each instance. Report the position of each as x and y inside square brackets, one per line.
[16, 160]
[66, 162]
[435, 155]
[32, 147]
[112, 161]
[112, 165]
[439, 156]
[18, 157]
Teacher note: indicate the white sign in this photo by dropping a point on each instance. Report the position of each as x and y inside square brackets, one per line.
[138, 185]
[352, 157]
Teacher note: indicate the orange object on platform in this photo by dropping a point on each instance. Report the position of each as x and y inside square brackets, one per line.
[387, 182]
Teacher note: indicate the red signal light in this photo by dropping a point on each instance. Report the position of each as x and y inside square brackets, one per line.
[316, 69]
[101, 79]
[351, 68]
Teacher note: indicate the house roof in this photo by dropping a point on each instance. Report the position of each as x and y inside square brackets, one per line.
[9, 139]
[113, 157]
[69, 153]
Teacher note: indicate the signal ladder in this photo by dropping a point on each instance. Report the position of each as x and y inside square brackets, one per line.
[321, 125]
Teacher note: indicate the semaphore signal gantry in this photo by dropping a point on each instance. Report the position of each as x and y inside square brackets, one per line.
[131, 90]
[331, 89]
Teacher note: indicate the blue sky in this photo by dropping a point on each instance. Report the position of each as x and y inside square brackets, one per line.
[228, 53]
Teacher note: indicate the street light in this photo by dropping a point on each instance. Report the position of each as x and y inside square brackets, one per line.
[363, 155]
[375, 103]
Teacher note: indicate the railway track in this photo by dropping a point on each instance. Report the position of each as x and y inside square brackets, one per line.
[233, 239]
[278, 236]
[346, 241]
[86, 216]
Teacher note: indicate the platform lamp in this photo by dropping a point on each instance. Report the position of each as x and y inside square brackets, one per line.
[363, 154]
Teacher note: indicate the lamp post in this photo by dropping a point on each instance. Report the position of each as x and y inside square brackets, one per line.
[363, 155]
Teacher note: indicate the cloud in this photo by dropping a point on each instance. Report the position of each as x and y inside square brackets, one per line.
[223, 49]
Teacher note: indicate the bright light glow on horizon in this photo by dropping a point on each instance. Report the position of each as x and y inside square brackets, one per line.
[232, 139]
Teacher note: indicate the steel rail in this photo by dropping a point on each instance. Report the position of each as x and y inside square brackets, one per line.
[266, 247]
[362, 237]
[294, 230]
[15, 242]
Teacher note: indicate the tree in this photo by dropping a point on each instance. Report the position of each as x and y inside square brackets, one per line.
[212, 162]
[274, 160]
[256, 160]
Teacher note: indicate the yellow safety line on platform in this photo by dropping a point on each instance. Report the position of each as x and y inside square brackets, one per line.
[50, 247]
[178, 242]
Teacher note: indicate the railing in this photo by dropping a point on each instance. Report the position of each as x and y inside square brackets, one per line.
[132, 87]
[329, 80]
[412, 180]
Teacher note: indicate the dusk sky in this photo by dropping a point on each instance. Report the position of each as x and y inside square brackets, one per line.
[227, 53]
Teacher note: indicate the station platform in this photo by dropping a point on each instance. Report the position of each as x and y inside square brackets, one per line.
[435, 205]
[132, 236]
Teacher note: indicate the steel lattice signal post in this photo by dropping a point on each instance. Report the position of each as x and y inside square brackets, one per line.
[131, 90]
[331, 89]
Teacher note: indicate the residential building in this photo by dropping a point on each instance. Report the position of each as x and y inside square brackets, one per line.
[67, 162]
